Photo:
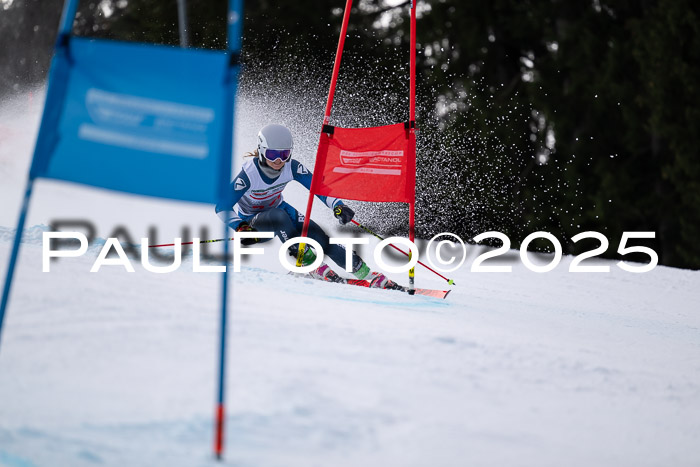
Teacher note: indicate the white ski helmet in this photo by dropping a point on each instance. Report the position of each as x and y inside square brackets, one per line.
[275, 142]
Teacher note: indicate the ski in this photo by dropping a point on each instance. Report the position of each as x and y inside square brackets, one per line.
[332, 276]
[418, 291]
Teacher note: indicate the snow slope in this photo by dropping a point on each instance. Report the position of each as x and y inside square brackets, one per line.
[520, 369]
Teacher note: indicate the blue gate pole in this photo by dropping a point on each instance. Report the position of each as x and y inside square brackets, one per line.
[15, 251]
[69, 9]
[220, 410]
[66, 26]
[235, 20]
[235, 24]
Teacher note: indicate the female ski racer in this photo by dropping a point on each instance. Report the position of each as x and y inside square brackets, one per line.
[256, 204]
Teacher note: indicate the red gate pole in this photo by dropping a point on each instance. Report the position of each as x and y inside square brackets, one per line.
[326, 117]
[412, 143]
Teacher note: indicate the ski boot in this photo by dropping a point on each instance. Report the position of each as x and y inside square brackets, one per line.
[360, 269]
[324, 272]
[380, 281]
[309, 254]
[375, 279]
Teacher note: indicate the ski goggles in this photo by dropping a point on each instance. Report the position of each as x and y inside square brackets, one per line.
[277, 154]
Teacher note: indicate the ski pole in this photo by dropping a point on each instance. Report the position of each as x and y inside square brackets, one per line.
[190, 243]
[449, 281]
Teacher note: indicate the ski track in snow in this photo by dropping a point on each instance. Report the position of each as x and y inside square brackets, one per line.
[518, 369]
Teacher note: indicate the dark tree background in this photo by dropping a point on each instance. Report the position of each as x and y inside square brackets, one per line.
[534, 115]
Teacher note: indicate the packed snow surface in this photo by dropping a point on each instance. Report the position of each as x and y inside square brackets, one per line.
[512, 369]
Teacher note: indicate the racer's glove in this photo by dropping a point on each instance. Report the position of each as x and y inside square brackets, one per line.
[343, 213]
[245, 227]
